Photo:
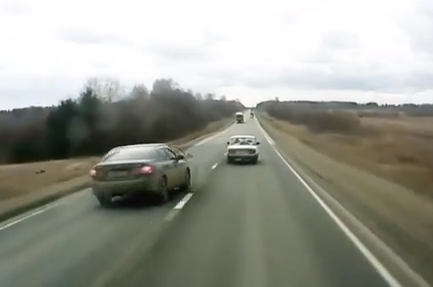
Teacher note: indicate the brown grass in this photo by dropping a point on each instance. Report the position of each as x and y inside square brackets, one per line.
[20, 179]
[398, 148]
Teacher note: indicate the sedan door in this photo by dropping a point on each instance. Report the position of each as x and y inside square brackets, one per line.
[171, 168]
[182, 164]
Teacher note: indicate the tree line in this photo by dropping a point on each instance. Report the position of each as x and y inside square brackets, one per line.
[341, 117]
[103, 117]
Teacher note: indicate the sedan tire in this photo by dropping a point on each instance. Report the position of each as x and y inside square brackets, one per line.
[164, 193]
[104, 199]
[188, 182]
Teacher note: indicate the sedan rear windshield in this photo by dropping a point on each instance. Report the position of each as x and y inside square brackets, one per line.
[131, 154]
[243, 141]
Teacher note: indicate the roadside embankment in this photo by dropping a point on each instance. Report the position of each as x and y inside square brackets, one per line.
[401, 217]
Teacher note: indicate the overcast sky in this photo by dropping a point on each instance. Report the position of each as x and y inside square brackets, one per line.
[366, 50]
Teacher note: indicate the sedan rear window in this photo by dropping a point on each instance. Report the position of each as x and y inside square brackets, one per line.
[131, 154]
[243, 141]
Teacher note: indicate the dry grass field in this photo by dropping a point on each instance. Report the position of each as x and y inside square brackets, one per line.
[398, 148]
[378, 167]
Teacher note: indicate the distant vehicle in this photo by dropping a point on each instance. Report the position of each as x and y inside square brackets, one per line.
[153, 169]
[243, 148]
[239, 117]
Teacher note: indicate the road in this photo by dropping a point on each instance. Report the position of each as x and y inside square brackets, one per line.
[245, 226]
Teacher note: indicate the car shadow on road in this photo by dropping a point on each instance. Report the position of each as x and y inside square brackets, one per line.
[244, 163]
[144, 202]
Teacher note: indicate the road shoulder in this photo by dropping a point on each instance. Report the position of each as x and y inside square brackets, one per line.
[402, 222]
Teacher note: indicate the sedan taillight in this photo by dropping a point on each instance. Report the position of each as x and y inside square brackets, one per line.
[93, 172]
[146, 169]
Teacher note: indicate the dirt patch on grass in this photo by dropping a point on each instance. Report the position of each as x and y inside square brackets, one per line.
[21, 179]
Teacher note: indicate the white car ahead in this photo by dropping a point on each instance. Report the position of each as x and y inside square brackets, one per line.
[243, 148]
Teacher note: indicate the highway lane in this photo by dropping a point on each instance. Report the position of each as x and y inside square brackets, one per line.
[76, 243]
[245, 226]
[251, 226]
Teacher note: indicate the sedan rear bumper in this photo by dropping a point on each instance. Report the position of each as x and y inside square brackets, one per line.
[242, 157]
[125, 187]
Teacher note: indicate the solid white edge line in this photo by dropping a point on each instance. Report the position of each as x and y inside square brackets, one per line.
[39, 210]
[374, 238]
[380, 268]
[12, 223]
[386, 275]
[21, 218]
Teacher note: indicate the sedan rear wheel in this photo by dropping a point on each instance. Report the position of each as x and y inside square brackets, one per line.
[164, 194]
[187, 182]
[105, 200]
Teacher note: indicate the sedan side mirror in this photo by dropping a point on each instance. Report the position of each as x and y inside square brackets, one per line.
[257, 143]
[180, 157]
[228, 143]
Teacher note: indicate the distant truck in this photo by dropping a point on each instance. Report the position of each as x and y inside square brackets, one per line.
[240, 118]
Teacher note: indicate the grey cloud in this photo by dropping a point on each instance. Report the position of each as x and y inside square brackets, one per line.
[419, 27]
[100, 65]
[22, 92]
[316, 78]
[13, 8]
[178, 53]
[323, 70]
[87, 36]
[340, 40]
[331, 45]
[211, 38]
[419, 81]
[186, 52]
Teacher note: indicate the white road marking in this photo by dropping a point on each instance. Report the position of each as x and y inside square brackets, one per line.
[14, 221]
[183, 201]
[18, 220]
[380, 268]
[181, 204]
[11, 222]
[171, 215]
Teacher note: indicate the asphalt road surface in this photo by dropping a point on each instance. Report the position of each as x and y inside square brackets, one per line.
[245, 226]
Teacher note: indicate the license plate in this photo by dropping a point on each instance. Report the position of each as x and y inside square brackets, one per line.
[117, 173]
